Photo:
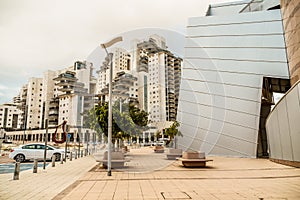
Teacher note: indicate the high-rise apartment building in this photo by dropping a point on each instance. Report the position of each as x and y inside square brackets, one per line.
[10, 117]
[121, 63]
[125, 87]
[155, 73]
[34, 102]
[76, 89]
[159, 72]
[49, 109]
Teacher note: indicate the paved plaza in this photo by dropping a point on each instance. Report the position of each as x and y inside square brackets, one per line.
[149, 175]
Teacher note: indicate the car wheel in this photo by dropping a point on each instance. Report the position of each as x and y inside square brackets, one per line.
[19, 158]
[57, 156]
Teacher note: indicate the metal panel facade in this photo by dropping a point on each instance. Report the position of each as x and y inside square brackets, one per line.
[226, 58]
[283, 127]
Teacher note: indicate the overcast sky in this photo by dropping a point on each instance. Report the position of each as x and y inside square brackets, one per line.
[37, 35]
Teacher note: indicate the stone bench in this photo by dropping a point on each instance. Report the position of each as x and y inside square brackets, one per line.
[117, 159]
[174, 153]
[193, 159]
[159, 149]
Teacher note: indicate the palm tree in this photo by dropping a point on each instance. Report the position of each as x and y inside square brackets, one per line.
[173, 131]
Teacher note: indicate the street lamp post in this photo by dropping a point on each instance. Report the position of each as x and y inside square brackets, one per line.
[106, 45]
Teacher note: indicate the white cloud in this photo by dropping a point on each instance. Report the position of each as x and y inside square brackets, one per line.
[39, 35]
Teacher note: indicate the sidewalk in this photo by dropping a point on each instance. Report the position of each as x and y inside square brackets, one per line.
[45, 184]
[150, 176]
[225, 178]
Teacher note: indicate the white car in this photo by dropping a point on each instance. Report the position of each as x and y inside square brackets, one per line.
[35, 151]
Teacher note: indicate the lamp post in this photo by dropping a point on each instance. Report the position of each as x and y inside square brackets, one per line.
[106, 45]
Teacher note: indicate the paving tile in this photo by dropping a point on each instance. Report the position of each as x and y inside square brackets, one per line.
[227, 178]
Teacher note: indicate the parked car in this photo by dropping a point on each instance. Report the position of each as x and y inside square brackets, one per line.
[34, 151]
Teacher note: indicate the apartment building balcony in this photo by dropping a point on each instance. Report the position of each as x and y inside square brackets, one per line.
[53, 122]
[171, 101]
[123, 84]
[66, 89]
[143, 60]
[169, 58]
[172, 114]
[53, 108]
[177, 61]
[122, 81]
[142, 68]
[23, 101]
[65, 83]
[170, 92]
[54, 101]
[24, 95]
[53, 113]
[171, 104]
[68, 75]
[171, 84]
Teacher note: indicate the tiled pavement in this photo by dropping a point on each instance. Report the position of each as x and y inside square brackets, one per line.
[149, 176]
[45, 184]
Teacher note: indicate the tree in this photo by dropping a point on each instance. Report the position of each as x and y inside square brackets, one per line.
[131, 121]
[173, 131]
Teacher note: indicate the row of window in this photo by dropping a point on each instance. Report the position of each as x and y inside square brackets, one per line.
[34, 94]
[8, 111]
[41, 84]
[40, 89]
[1, 124]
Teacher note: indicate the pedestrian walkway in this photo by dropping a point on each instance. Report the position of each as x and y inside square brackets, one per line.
[45, 184]
[224, 178]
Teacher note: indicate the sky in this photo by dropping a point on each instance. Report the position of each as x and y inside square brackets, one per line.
[39, 35]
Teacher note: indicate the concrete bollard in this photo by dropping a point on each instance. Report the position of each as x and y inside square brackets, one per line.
[53, 160]
[35, 166]
[62, 158]
[71, 155]
[17, 171]
[81, 153]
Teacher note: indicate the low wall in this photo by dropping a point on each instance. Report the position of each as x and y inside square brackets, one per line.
[283, 128]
